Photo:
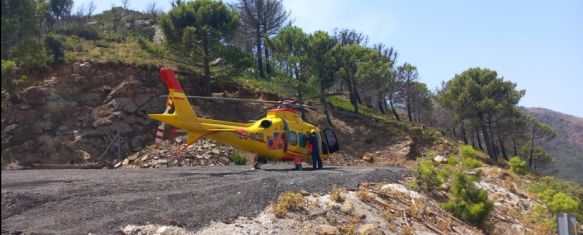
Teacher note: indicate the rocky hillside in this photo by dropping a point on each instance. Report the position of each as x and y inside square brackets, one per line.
[71, 114]
[567, 147]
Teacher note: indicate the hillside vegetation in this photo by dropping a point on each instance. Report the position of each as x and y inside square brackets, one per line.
[567, 147]
[75, 81]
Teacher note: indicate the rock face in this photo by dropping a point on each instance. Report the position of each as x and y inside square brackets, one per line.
[75, 113]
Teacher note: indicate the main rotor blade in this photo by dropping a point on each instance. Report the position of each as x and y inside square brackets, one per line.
[229, 99]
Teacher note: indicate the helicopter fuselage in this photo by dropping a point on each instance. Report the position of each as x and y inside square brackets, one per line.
[280, 135]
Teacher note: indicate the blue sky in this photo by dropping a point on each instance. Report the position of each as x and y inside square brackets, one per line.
[536, 44]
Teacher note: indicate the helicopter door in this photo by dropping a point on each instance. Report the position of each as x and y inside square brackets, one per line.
[329, 141]
[285, 134]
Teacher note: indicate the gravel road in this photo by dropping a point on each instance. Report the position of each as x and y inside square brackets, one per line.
[104, 200]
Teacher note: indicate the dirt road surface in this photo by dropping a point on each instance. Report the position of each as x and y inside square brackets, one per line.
[101, 201]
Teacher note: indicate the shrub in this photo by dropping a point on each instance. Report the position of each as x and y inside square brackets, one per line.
[561, 202]
[452, 160]
[469, 157]
[559, 195]
[287, 201]
[7, 67]
[467, 201]
[468, 151]
[445, 172]
[102, 43]
[82, 31]
[238, 159]
[426, 176]
[365, 196]
[56, 47]
[336, 195]
[471, 163]
[517, 165]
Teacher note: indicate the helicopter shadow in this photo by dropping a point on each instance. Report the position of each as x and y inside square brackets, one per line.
[304, 169]
[214, 174]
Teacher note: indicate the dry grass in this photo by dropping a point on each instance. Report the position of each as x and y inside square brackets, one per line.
[408, 230]
[390, 218]
[288, 201]
[365, 196]
[445, 224]
[335, 195]
[417, 209]
[543, 227]
[350, 226]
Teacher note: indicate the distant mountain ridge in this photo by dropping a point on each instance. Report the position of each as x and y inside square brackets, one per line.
[567, 147]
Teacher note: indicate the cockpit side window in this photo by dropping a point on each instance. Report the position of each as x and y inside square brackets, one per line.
[293, 138]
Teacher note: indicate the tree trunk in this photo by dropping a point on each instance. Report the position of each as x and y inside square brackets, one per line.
[300, 96]
[487, 138]
[381, 106]
[324, 103]
[258, 45]
[515, 147]
[267, 65]
[409, 109]
[207, 90]
[464, 133]
[501, 141]
[353, 98]
[478, 138]
[473, 141]
[531, 146]
[393, 108]
[492, 137]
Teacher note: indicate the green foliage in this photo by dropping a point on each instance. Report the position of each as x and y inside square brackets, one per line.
[452, 160]
[559, 195]
[20, 82]
[195, 31]
[469, 160]
[467, 201]
[145, 32]
[56, 47]
[237, 158]
[320, 59]
[426, 176]
[241, 61]
[517, 165]
[559, 202]
[471, 163]
[60, 8]
[102, 43]
[82, 31]
[478, 94]
[7, 67]
[467, 151]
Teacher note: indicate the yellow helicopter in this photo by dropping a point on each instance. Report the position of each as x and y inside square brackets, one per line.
[281, 135]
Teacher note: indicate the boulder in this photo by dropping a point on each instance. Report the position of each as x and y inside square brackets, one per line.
[440, 159]
[347, 207]
[35, 95]
[368, 157]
